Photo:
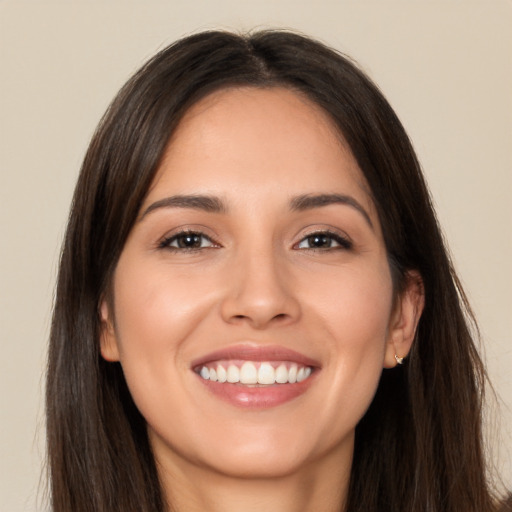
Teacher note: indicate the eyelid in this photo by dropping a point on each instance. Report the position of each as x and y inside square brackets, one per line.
[341, 238]
[166, 240]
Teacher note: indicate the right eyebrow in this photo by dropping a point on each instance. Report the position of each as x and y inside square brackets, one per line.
[206, 203]
[310, 201]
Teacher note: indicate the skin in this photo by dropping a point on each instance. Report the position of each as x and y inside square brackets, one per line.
[256, 280]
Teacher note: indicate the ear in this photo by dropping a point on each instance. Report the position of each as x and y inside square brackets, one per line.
[108, 342]
[405, 318]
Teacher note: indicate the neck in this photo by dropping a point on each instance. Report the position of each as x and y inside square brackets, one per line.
[320, 487]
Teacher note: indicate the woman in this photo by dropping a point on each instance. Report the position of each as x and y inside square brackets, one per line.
[251, 242]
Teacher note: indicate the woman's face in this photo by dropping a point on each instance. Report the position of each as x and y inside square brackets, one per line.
[253, 302]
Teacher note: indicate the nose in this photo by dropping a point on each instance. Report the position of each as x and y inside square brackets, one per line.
[260, 292]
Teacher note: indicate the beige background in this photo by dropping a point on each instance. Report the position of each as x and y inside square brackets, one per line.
[446, 67]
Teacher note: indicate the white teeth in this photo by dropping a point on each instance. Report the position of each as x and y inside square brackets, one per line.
[221, 374]
[292, 374]
[233, 374]
[281, 374]
[266, 374]
[248, 374]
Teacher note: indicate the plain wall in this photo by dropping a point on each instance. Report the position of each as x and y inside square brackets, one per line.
[445, 66]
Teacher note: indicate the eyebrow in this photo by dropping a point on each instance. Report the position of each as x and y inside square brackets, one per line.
[213, 204]
[210, 204]
[309, 201]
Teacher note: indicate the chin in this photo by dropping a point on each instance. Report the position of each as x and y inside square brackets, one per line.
[261, 465]
[248, 453]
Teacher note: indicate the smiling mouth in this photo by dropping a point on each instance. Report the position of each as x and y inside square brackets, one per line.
[256, 377]
[255, 373]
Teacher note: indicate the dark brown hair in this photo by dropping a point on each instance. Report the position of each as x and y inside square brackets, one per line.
[419, 446]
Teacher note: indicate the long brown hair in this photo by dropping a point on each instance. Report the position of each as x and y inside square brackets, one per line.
[419, 446]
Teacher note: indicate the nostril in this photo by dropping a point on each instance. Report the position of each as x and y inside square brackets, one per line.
[254, 319]
[259, 306]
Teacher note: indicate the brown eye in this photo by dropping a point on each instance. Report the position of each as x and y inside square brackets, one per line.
[188, 241]
[324, 240]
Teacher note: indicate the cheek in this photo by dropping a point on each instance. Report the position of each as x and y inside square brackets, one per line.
[353, 316]
[156, 314]
[354, 304]
[156, 307]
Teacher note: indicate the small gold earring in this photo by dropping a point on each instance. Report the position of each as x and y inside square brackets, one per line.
[399, 360]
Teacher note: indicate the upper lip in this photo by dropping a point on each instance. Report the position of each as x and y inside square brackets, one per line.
[252, 352]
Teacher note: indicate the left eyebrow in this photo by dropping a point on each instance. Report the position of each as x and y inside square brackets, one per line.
[194, 202]
[310, 201]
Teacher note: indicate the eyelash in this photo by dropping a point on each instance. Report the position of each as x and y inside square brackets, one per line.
[167, 241]
[343, 242]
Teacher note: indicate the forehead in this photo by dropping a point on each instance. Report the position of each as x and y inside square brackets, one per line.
[254, 135]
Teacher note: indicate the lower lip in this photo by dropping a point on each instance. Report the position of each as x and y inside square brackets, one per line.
[257, 397]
